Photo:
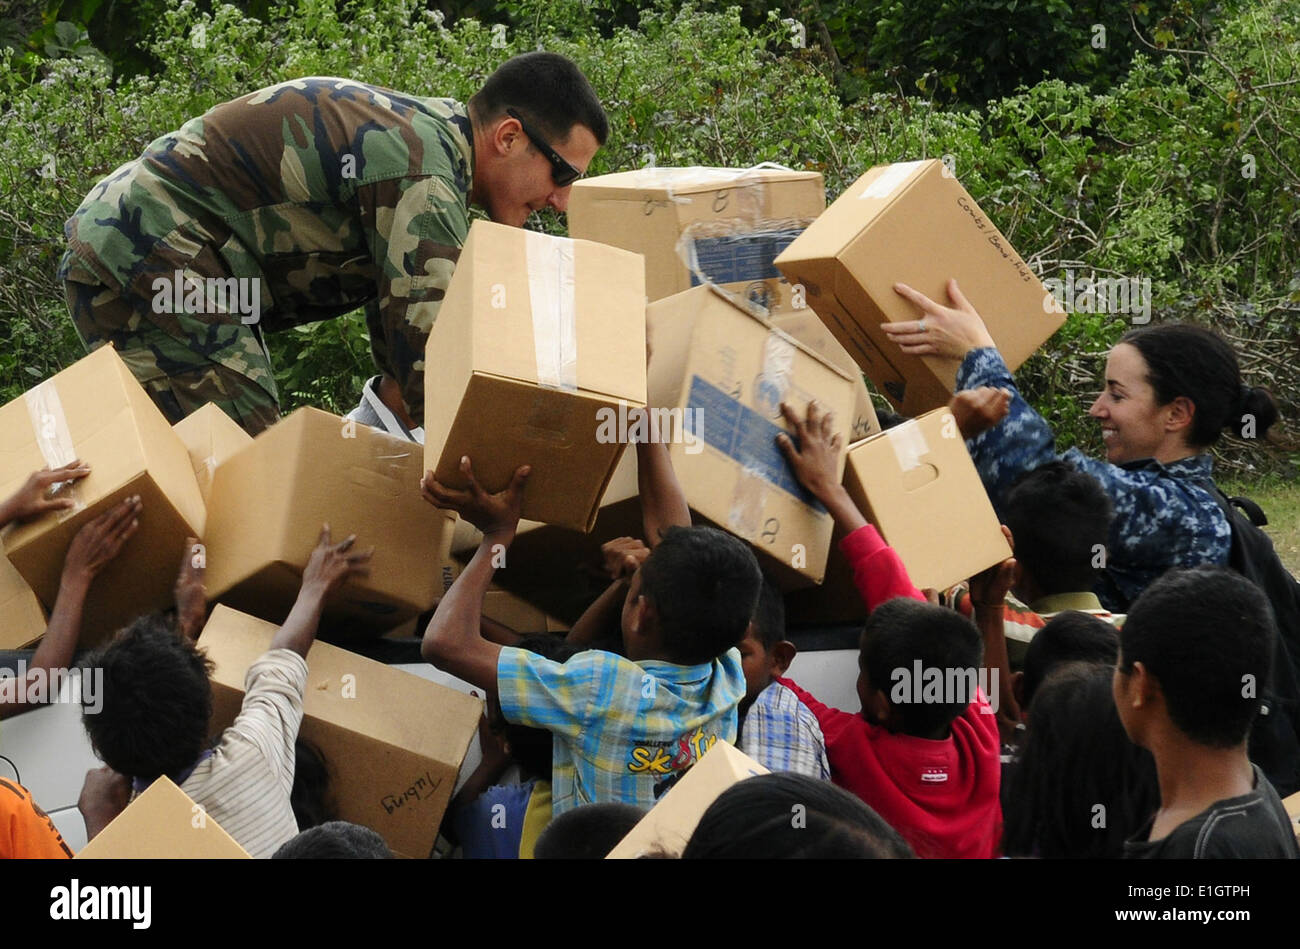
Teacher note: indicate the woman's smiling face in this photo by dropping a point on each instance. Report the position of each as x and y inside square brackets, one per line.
[1133, 425]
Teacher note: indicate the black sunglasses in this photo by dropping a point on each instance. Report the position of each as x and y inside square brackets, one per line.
[562, 173]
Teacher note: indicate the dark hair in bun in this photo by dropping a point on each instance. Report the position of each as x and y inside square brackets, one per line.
[1193, 362]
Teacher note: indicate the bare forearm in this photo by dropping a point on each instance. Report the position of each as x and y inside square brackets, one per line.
[599, 617]
[458, 618]
[663, 502]
[299, 629]
[990, 620]
[59, 644]
[843, 511]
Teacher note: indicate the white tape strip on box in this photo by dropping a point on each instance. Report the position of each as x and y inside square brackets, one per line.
[52, 436]
[889, 180]
[551, 296]
[909, 444]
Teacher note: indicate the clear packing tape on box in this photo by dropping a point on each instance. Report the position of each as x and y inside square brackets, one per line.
[551, 298]
[53, 438]
[742, 245]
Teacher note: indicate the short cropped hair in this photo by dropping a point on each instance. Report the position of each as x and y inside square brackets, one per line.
[902, 632]
[548, 90]
[703, 584]
[1070, 636]
[335, 840]
[1060, 517]
[791, 816]
[588, 832]
[769, 616]
[1206, 635]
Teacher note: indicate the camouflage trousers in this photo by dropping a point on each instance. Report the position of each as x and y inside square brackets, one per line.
[184, 366]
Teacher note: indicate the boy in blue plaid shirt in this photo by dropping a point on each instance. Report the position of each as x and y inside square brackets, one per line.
[776, 729]
[624, 728]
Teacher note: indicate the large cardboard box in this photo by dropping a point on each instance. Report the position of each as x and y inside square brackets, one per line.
[805, 326]
[210, 436]
[725, 371]
[668, 826]
[538, 339]
[163, 823]
[729, 222]
[883, 230]
[22, 618]
[393, 742]
[270, 499]
[726, 368]
[95, 410]
[916, 482]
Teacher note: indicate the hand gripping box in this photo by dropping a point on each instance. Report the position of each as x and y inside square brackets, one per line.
[916, 482]
[538, 338]
[95, 410]
[914, 223]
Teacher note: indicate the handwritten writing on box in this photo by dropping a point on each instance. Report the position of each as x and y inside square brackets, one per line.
[423, 788]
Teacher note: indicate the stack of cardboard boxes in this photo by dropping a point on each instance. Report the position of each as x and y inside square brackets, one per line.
[540, 355]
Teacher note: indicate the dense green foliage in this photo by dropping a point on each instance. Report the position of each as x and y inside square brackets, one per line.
[1185, 171]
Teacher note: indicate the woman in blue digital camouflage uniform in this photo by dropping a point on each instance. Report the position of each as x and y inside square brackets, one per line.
[1170, 391]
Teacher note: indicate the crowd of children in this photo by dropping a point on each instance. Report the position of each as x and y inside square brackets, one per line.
[1121, 725]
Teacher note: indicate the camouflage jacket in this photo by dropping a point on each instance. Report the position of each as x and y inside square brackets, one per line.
[331, 193]
[1165, 515]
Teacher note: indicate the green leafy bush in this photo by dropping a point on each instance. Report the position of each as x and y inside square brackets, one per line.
[1186, 172]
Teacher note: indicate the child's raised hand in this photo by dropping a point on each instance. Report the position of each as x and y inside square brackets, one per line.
[623, 556]
[978, 410]
[331, 564]
[490, 513]
[100, 540]
[32, 499]
[190, 594]
[814, 460]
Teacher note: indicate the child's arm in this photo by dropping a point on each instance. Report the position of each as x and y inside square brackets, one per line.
[189, 592]
[329, 567]
[495, 762]
[878, 572]
[831, 720]
[663, 502]
[30, 500]
[95, 545]
[452, 640]
[988, 591]
[623, 556]
[104, 795]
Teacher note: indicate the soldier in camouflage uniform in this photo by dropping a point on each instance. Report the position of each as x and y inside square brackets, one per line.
[303, 202]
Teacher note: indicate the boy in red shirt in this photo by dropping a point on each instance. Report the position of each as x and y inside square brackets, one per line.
[931, 768]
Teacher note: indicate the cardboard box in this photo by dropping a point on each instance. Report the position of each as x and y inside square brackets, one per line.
[668, 826]
[731, 221]
[538, 340]
[728, 370]
[916, 482]
[95, 410]
[270, 499]
[210, 436]
[24, 617]
[393, 742]
[713, 357]
[163, 823]
[805, 326]
[883, 230]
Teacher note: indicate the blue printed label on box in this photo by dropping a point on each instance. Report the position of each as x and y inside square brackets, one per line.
[742, 435]
[739, 257]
